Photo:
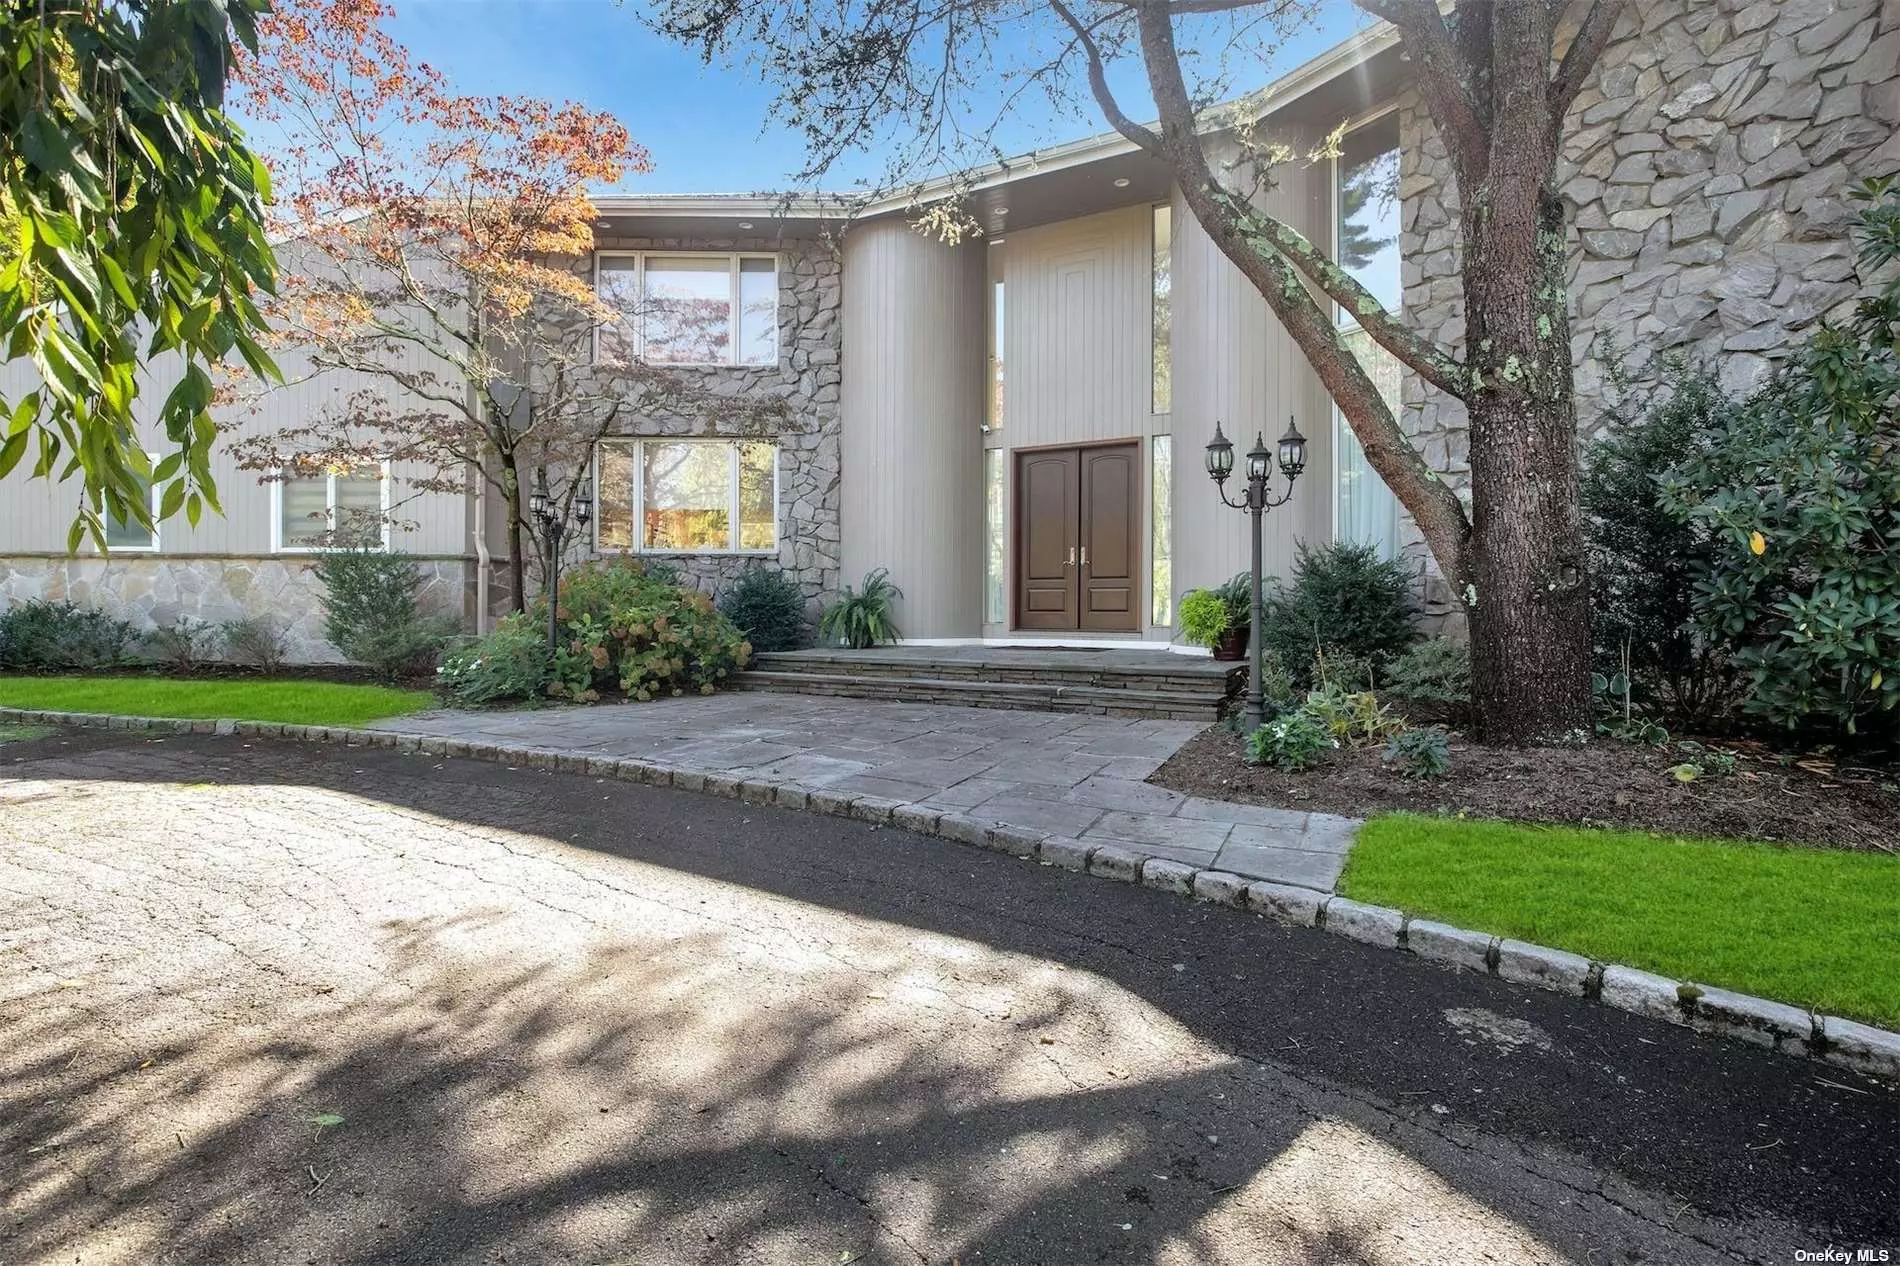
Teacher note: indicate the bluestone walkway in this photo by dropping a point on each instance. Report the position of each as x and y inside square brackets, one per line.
[1074, 776]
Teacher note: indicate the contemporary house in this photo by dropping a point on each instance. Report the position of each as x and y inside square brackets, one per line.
[1012, 423]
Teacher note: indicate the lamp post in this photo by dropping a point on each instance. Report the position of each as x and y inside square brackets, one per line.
[1256, 502]
[554, 527]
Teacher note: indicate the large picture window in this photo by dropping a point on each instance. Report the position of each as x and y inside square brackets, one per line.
[1366, 244]
[312, 512]
[689, 497]
[689, 309]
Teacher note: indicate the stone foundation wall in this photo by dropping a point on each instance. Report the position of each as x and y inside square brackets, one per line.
[1705, 168]
[153, 590]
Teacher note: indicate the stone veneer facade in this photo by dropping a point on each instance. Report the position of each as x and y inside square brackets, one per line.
[1705, 168]
[150, 590]
[806, 379]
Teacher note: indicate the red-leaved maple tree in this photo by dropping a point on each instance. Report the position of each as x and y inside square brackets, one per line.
[435, 249]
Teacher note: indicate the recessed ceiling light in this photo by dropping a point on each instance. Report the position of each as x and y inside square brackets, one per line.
[745, 224]
[1121, 182]
[1002, 211]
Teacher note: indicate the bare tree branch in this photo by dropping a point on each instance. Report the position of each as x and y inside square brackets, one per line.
[1445, 77]
[1593, 36]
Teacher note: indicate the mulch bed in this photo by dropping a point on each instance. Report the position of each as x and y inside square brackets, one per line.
[1815, 801]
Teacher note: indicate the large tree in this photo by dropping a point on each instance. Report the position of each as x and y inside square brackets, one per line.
[1497, 80]
[131, 226]
[437, 249]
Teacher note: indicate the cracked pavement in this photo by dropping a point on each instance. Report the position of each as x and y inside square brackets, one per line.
[264, 1002]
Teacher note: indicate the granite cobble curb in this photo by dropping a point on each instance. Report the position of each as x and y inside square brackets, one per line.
[1720, 1012]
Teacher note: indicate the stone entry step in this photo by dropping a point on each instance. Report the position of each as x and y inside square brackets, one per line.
[1124, 684]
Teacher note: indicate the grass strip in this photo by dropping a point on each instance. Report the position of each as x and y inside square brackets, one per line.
[1817, 928]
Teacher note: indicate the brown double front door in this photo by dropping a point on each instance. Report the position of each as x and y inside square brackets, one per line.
[1078, 539]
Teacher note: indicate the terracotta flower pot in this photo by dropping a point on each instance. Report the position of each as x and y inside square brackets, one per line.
[1232, 644]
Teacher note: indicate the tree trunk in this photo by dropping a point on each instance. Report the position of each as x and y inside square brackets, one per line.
[517, 562]
[1528, 601]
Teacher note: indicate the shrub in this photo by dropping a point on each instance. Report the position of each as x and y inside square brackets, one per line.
[1799, 491]
[61, 635]
[1354, 718]
[1342, 596]
[184, 644]
[1203, 616]
[371, 611]
[1420, 753]
[861, 619]
[1336, 668]
[509, 663]
[1437, 670]
[258, 641]
[1292, 741]
[768, 607]
[621, 626]
[1643, 559]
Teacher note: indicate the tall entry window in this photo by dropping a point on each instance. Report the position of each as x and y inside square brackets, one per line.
[1366, 244]
[1161, 311]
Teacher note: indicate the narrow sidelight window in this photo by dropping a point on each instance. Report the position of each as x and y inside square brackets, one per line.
[1162, 316]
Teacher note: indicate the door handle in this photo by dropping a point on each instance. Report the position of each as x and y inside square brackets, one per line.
[1085, 556]
[1071, 561]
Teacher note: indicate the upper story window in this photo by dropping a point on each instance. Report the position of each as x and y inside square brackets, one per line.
[689, 309]
[313, 512]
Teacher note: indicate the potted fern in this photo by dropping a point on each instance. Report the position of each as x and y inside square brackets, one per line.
[861, 618]
[1219, 618]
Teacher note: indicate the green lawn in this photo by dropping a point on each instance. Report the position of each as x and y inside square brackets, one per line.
[1817, 928]
[293, 702]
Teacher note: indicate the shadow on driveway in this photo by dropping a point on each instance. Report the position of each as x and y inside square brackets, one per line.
[563, 1019]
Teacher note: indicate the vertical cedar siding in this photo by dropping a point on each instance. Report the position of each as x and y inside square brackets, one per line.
[913, 410]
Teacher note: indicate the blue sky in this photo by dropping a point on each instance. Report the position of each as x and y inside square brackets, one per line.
[706, 128]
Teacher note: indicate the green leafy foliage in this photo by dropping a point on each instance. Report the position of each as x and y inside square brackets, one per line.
[768, 608]
[131, 224]
[185, 644]
[258, 641]
[862, 618]
[1343, 596]
[510, 663]
[1203, 616]
[1236, 598]
[1356, 718]
[61, 636]
[1423, 752]
[1295, 740]
[1437, 670]
[1799, 491]
[1644, 560]
[372, 611]
[622, 627]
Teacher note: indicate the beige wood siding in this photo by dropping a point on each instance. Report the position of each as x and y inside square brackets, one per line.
[36, 514]
[1234, 362]
[912, 424]
[1077, 330]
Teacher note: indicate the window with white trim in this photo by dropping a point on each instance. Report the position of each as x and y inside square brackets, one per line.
[313, 512]
[688, 497]
[681, 309]
[129, 535]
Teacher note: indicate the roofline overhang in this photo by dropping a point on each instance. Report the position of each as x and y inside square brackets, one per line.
[1288, 88]
[1296, 83]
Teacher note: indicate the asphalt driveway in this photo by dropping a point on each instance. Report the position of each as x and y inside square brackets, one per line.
[280, 1003]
